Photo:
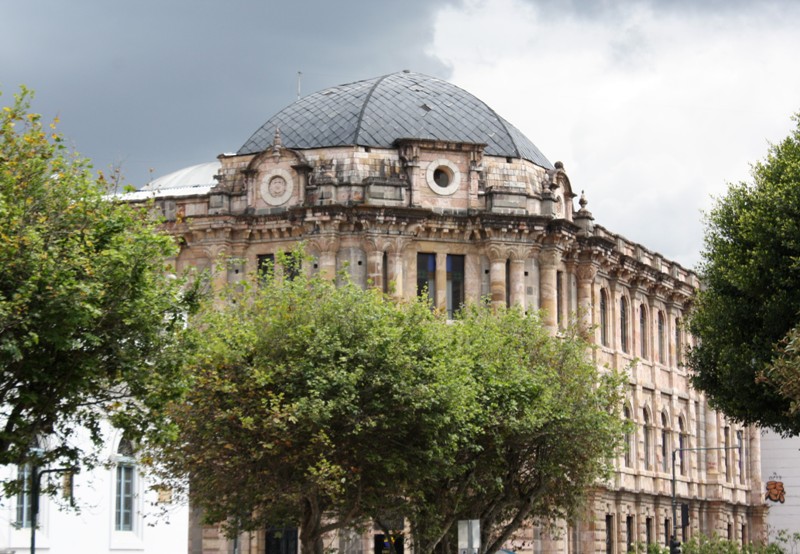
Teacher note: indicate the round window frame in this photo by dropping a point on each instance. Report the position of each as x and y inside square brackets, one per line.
[268, 197]
[451, 169]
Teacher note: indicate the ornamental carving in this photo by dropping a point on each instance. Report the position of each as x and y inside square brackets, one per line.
[277, 187]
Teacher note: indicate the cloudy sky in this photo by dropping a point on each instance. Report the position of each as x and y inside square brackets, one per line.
[652, 106]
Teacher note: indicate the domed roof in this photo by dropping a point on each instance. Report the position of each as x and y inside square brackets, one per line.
[200, 175]
[378, 111]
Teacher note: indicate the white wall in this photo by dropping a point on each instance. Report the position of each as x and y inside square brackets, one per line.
[780, 461]
[91, 529]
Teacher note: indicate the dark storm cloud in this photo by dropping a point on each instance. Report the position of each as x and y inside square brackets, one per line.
[167, 83]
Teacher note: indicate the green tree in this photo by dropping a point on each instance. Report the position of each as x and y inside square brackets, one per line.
[750, 300]
[86, 303]
[328, 407]
[310, 405]
[545, 428]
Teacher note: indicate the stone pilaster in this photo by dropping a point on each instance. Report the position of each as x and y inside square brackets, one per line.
[549, 260]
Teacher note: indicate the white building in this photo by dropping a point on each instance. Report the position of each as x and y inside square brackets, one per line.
[116, 511]
[780, 471]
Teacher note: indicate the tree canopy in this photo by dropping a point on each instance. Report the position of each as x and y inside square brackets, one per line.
[748, 311]
[86, 301]
[325, 407]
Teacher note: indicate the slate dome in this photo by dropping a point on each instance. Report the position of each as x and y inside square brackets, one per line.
[376, 112]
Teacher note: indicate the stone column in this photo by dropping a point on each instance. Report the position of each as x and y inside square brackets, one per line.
[497, 275]
[441, 281]
[375, 268]
[517, 278]
[585, 273]
[548, 267]
[395, 272]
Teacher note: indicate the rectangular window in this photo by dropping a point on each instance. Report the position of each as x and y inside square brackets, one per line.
[24, 508]
[426, 276]
[726, 434]
[266, 265]
[648, 530]
[455, 284]
[629, 534]
[385, 272]
[123, 513]
[666, 532]
[740, 445]
[609, 534]
[559, 297]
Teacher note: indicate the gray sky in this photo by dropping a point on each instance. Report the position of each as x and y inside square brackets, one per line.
[652, 106]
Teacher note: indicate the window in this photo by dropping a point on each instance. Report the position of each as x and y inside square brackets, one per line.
[665, 453]
[623, 324]
[265, 266]
[642, 331]
[678, 343]
[666, 531]
[559, 297]
[628, 442]
[508, 283]
[24, 497]
[455, 284]
[661, 346]
[740, 446]
[426, 276]
[125, 482]
[603, 317]
[646, 430]
[648, 530]
[726, 435]
[609, 534]
[629, 534]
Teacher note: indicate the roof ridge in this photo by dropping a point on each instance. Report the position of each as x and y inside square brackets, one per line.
[364, 106]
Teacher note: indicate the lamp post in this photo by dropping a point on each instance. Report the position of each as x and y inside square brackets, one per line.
[36, 475]
[674, 545]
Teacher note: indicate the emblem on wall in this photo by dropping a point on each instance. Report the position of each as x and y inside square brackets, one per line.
[775, 491]
[277, 187]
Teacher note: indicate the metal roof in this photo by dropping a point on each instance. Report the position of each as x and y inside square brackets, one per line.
[376, 112]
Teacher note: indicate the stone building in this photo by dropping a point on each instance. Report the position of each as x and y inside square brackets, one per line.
[412, 184]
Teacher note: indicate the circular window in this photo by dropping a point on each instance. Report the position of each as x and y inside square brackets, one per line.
[443, 177]
[277, 187]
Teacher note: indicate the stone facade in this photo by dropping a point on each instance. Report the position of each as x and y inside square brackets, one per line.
[470, 226]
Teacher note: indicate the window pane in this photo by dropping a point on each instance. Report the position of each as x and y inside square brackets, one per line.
[426, 275]
[455, 284]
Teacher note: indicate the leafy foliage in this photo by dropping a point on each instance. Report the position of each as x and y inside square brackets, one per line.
[86, 304]
[545, 426]
[751, 299]
[327, 407]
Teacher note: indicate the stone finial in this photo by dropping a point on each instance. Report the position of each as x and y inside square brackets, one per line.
[584, 217]
[560, 165]
[276, 144]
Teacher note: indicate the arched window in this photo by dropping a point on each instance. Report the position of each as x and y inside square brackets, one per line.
[642, 331]
[646, 436]
[665, 450]
[603, 317]
[623, 324]
[125, 486]
[662, 354]
[628, 439]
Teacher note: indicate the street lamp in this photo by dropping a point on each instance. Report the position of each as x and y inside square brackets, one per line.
[674, 544]
[36, 475]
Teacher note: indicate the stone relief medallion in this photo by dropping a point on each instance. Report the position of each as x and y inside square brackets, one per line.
[443, 177]
[277, 187]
